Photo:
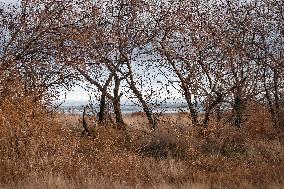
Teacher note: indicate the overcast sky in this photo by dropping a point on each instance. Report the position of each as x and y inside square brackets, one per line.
[8, 1]
[80, 95]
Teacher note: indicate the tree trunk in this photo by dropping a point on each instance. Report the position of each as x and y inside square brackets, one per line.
[116, 105]
[145, 106]
[85, 126]
[138, 94]
[218, 113]
[118, 115]
[102, 112]
[193, 112]
[238, 107]
[212, 104]
[276, 98]
[184, 86]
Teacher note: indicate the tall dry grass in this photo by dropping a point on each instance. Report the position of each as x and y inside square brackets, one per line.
[40, 150]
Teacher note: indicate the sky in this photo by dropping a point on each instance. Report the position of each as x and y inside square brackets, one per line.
[78, 95]
[8, 1]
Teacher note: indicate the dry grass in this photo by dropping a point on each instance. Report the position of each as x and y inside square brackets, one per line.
[38, 150]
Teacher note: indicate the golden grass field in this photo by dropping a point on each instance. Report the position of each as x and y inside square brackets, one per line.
[49, 151]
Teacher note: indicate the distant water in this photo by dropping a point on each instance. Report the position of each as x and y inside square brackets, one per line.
[126, 109]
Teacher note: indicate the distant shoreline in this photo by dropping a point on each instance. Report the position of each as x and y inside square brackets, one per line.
[126, 109]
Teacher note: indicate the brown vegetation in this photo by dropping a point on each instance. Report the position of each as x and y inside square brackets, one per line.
[222, 59]
[39, 151]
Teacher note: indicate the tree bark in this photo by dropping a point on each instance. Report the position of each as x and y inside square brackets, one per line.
[85, 125]
[211, 106]
[148, 112]
[102, 112]
[145, 106]
[187, 94]
[276, 97]
[193, 111]
[116, 105]
[238, 107]
[138, 94]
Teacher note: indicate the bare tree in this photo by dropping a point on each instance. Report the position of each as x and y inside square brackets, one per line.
[190, 50]
[114, 32]
[268, 43]
[31, 37]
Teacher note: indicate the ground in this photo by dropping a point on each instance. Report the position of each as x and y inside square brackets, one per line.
[53, 153]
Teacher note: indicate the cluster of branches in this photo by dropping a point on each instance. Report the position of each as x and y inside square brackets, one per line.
[216, 54]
